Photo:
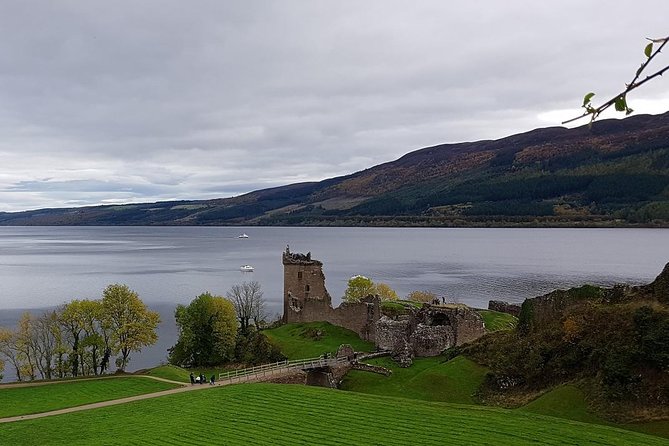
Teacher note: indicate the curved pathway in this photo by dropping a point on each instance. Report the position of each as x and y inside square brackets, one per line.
[184, 388]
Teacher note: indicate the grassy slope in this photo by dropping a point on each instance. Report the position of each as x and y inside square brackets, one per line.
[429, 379]
[296, 344]
[568, 401]
[26, 400]
[171, 372]
[495, 321]
[295, 415]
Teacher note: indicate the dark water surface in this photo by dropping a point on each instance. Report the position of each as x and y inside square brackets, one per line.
[47, 266]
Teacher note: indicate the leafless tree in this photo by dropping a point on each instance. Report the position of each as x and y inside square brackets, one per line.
[47, 339]
[9, 349]
[249, 304]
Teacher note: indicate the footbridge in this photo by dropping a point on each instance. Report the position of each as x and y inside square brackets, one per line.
[275, 369]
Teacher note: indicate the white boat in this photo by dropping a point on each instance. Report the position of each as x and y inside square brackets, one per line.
[246, 268]
[243, 236]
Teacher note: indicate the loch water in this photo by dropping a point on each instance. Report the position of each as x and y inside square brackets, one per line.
[46, 266]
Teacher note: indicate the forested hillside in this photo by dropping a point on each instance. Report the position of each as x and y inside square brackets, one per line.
[614, 173]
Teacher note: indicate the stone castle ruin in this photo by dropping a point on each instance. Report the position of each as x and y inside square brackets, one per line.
[426, 331]
[305, 298]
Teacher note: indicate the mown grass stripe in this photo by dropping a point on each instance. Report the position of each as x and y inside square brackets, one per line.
[28, 400]
[293, 415]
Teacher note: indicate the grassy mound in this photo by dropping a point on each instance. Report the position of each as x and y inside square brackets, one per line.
[564, 402]
[291, 415]
[16, 400]
[495, 320]
[429, 379]
[312, 339]
[568, 401]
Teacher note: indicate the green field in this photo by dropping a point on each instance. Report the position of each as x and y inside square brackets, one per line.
[429, 379]
[299, 341]
[297, 415]
[495, 321]
[16, 400]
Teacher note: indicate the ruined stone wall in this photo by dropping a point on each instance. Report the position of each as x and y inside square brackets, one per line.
[391, 333]
[306, 298]
[428, 331]
[467, 324]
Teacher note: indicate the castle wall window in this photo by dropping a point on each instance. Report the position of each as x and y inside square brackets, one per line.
[306, 288]
[299, 274]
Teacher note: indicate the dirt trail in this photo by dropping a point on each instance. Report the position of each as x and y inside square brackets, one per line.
[77, 380]
[184, 388]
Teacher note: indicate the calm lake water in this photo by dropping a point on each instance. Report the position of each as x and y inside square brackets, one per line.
[47, 266]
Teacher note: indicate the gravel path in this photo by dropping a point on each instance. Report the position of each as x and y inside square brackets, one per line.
[184, 388]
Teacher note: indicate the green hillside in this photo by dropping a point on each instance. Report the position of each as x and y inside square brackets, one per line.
[291, 415]
[428, 379]
[614, 173]
[568, 401]
[495, 320]
[298, 341]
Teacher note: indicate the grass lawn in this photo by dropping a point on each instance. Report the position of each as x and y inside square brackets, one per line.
[568, 401]
[429, 379]
[43, 398]
[495, 320]
[272, 414]
[299, 341]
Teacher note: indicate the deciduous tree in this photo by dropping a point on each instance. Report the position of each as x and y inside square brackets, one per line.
[207, 329]
[8, 348]
[249, 303]
[133, 324]
[359, 287]
[422, 296]
[386, 293]
[71, 319]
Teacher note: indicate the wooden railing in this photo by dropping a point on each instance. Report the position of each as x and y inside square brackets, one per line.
[277, 368]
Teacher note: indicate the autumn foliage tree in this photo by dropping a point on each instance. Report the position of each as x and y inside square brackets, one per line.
[385, 292]
[133, 324]
[80, 337]
[422, 296]
[358, 287]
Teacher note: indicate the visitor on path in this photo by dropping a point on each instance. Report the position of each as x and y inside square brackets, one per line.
[211, 381]
[192, 378]
[203, 379]
[197, 379]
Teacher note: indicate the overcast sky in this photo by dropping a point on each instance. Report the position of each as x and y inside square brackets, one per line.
[138, 101]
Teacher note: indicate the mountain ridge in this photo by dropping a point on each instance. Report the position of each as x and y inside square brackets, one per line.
[613, 173]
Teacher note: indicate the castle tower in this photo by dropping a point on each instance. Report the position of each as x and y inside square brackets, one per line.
[303, 280]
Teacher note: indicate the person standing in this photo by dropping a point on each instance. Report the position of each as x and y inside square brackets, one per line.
[192, 379]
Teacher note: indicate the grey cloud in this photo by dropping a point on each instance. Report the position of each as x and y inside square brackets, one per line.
[166, 99]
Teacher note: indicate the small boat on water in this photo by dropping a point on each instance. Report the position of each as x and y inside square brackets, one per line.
[246, 268]
[243, 236]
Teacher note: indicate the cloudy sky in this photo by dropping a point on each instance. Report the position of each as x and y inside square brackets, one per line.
[137, 101]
